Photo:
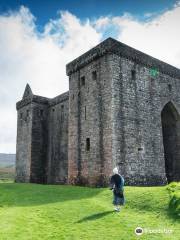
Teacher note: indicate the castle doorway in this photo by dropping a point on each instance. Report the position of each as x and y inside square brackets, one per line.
[171, 140]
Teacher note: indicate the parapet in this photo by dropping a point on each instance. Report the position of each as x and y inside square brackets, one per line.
[33, 98]
[111, 45]
[29, 97]
[60, 98]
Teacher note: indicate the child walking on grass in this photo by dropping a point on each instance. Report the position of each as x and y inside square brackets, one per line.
[117, 185]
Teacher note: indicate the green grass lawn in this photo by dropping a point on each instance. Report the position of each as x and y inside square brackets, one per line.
[31, 211]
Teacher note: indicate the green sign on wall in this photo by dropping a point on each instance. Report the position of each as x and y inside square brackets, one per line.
[154, 72]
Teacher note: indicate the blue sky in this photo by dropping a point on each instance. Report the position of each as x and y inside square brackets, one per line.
[45, 9]
[38, 39]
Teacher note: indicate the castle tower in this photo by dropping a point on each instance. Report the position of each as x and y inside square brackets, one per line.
[123, 111]
[31, 138]
[90, 119]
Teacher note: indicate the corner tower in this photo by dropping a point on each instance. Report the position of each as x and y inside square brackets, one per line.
[90, 125]
[31, 138]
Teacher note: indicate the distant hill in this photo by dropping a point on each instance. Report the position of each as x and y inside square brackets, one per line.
[7, 160]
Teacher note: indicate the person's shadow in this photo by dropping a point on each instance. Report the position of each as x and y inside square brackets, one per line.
[94, 216]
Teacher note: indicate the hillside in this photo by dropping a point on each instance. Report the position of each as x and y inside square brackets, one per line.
[7, 166]
[7, 160]
[46, 212]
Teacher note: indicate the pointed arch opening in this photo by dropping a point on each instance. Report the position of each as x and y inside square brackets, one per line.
[171, 140]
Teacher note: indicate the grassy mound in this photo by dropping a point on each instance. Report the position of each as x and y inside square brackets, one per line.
[35, 212]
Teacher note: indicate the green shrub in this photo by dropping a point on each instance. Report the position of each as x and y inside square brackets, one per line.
[174, 203]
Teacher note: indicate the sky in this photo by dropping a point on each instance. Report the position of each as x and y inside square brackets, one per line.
[38, 39]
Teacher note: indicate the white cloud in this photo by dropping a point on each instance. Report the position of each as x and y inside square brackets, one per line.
[102, 22]
[40, 58]
[158, 37]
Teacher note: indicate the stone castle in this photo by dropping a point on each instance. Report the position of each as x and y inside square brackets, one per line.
[122, 109]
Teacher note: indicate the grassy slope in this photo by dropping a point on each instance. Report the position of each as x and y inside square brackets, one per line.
[29, 211]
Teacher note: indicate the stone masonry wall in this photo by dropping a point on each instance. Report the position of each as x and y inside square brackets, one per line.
[139, 88]
[57, 155]
[137, 104]
[39, 143]
[23, 147]
[90, 118]
[42, 139]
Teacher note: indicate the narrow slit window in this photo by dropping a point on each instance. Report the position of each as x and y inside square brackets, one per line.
[62, 112]
[94, 75]
[27, 113]
[21, 116]
[85, 112]
[41, 113]
[83, 81]
[133, 74]
[87, 144]
[170, 87]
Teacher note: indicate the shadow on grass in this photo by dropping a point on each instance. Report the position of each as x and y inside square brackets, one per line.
[95, 216]
[21, 194]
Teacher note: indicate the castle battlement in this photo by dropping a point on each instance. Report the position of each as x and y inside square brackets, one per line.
[112, 46]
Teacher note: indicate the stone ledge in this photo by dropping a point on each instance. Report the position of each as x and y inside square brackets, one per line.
[113, 46]
[61, 98]
[30, 99]
[130, 180]
[42, 100]
[148, 180]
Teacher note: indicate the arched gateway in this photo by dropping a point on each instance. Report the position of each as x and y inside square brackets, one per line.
[171, 139]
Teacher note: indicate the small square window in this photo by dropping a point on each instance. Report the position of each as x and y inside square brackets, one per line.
[94, 75]
[87, 144]
[83, 81]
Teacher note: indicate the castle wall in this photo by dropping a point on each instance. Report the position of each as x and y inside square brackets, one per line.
[90, 124]
[23, 146]
[57, 155]
[42, 139]
[137, 102]
[39, 143]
